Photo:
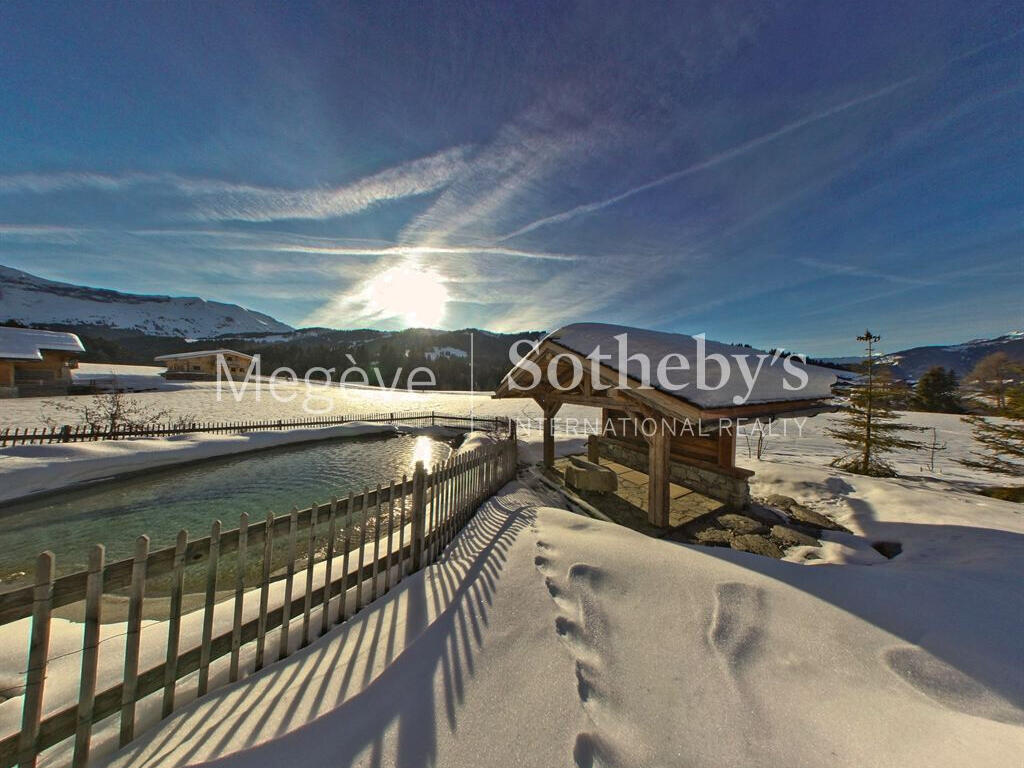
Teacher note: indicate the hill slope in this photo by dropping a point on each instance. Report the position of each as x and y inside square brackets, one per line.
[35, 300]
[912, 363]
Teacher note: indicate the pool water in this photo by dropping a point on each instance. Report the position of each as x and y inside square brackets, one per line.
[161, 503]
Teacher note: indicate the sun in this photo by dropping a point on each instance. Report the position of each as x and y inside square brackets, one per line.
[416, 295]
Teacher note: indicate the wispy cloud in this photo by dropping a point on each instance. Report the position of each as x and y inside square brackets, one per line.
[217, 200]
[276, 242]
[855, 270]
[412, 179]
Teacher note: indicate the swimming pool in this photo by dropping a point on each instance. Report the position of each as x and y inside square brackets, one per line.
[162, 502]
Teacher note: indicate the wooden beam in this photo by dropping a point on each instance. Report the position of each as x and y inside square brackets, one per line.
[549, 408]
[658, 478]
[726, 448]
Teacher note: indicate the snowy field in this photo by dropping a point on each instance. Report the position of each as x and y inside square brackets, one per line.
[544, 638]
[200, 400]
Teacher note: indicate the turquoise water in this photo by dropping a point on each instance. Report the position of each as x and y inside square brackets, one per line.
[161, 503]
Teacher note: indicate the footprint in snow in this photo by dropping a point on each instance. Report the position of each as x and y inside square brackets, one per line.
[949, 687]
[735, 628]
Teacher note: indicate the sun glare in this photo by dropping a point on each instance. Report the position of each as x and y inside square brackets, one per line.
[416, 295]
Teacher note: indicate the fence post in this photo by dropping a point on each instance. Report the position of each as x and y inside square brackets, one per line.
[65, 434]
[39, 646]
[90, 657]
[433, 421]
[419, 478]
[174, 623]
[131, 648]
[211, 598]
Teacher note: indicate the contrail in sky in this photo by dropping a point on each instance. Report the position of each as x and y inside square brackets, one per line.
[710, 162]
[736, 151]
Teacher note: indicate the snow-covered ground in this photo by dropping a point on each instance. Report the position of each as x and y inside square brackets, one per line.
[200, 400]
[545, 638]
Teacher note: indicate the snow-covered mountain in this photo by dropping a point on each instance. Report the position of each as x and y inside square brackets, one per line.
[911, 363]
[35, 300]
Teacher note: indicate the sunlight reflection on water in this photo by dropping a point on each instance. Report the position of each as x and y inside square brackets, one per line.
[191, 497]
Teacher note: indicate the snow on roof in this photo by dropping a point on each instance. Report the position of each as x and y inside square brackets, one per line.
[767, 385]
[203, 353]
[29, 343]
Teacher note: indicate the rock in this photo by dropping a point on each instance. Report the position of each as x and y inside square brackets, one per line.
[714, 537]
[791, 537]
[758, 545]
[741, 524]
[779, 501]
[587, 476]
[808, 516]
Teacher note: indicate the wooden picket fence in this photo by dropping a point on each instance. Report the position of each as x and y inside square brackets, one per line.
[433, 505]
[71, 433]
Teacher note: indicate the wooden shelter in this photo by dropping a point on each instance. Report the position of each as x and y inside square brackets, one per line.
[202, 364]
[34, 362]
[682, 434]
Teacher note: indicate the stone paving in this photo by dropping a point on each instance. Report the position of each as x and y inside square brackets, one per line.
[628, 505]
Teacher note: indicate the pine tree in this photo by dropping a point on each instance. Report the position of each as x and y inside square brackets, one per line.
[870, 427]
[1002, 442]
[937, 391]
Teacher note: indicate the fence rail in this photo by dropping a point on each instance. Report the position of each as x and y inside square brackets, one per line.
[71, 433]
[369, 542]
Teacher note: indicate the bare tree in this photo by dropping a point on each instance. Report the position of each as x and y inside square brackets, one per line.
[934, 447]
[113, 412]
[994, 374]
[758, 447]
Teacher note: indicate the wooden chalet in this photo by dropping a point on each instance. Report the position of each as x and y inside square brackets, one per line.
[683, 435]
[201, 365]
[34, 362]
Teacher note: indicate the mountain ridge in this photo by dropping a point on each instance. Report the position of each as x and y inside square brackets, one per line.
[32, 300]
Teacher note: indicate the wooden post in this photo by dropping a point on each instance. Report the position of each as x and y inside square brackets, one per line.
[401, 532]
[658, 477]
[391, 531]
[289, 582]
[593, 449]
[236, 625]
[90, 657]
[549, 410]
[343, 608]
[376, 547]
[307, 605]
[261, 624]
[332, 534]
[174, 623]
[211, 596]
[432, 528]
[726, 447]
[419, 511]
[39, 648]
[362, 546]
[129, 691]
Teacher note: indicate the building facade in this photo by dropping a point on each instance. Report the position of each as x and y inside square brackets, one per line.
[35, 363]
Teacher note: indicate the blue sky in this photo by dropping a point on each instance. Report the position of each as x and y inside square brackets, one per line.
[776, 173]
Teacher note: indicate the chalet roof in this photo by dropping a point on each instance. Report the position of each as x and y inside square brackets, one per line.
[767, 387]
[29, 343]
[203, 353]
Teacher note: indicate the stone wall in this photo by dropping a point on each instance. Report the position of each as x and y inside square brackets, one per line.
[728, 486]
